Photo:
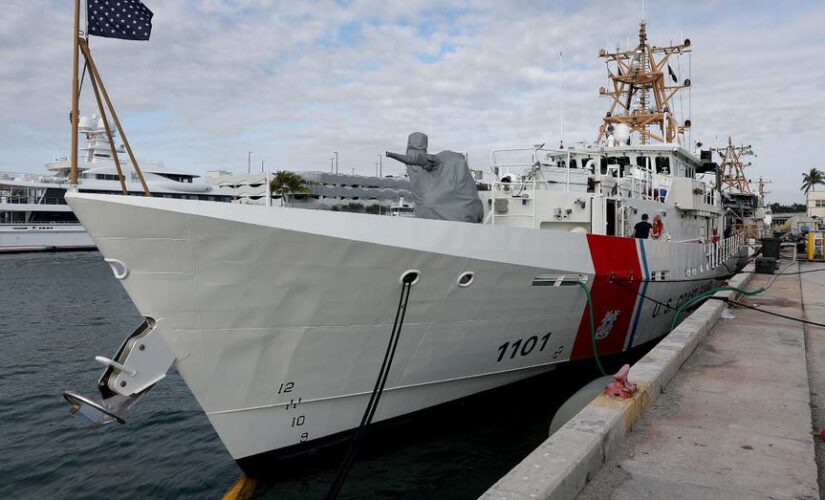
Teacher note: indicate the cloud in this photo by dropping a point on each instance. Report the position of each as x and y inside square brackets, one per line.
[293, 81]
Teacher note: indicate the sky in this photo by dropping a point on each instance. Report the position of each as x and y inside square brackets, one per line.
[293, 81]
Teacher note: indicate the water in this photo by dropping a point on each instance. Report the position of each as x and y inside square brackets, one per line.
[59, 310]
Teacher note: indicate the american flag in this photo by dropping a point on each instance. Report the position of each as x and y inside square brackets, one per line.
[126, 19]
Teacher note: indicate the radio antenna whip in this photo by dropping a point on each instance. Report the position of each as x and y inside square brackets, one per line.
[561, 102]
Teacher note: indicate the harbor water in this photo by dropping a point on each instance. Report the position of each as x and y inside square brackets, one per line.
[59, 310]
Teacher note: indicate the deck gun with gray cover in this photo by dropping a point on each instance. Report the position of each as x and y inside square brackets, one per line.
[442, 186]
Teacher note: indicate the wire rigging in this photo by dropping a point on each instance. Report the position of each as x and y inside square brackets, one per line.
[772, 313]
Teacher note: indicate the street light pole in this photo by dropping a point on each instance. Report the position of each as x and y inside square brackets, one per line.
[249, 162]
[380, 166]
[262, 166]
[336, 161]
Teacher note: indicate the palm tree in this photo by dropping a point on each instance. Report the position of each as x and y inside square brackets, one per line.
[811, 179]
[287, 183]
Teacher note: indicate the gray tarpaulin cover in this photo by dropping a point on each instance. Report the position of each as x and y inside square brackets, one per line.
[441, 184]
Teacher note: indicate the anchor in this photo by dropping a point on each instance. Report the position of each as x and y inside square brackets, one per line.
[142, 360]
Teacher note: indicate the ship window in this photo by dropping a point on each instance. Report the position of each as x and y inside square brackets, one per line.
[106, 177]
[663, 166]
[177, 177]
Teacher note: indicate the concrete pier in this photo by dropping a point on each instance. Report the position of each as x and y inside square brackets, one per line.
[735, 421]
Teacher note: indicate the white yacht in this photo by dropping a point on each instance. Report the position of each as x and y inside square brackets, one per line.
[279, 318]
[34, 214]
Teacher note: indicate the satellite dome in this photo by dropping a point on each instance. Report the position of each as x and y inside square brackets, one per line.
[621, 132]
[86, 122]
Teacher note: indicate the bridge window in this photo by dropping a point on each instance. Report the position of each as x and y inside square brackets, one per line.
[663, 165]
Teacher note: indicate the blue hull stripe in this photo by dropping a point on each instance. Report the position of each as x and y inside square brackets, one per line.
[643, 258]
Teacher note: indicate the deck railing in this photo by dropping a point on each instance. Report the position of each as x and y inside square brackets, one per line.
[31, 200]
[716, 253]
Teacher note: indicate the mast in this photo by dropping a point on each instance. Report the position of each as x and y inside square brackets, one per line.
[641, 94]
[75, 93]
[732, 168]
[762, 191]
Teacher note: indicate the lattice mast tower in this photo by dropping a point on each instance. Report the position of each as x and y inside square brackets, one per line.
[641, 96]
[732, 168]
[762, 191]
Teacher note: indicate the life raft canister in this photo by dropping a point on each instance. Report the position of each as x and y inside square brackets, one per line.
[658, 228]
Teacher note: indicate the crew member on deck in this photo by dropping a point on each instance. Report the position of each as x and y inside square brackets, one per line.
[642, 229]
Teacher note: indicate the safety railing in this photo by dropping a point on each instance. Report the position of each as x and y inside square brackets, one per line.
[40, 224]
[31, 200]
[718, 252]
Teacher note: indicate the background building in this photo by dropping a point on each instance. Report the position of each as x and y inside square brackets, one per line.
[816, 204]
[328, 191]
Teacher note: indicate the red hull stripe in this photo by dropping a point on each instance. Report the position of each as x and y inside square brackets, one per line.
[613, 302]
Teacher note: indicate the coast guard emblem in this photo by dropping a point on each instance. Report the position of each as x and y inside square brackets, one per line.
[607, 324]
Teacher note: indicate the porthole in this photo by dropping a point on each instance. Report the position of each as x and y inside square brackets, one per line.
[410, 276]
[466, 279]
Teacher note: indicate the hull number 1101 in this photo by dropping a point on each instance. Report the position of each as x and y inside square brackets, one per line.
[522, 347]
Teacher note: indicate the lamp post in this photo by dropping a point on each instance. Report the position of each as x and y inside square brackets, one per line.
[249, 162]
[336, 161]
[380, 166]
[262, 166]
[268, 190]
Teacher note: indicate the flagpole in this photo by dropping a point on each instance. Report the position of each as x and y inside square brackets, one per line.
[75, 92]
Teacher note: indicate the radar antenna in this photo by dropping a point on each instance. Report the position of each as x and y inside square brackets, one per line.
[641, 95]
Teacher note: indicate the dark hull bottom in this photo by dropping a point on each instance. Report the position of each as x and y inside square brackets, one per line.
[32, 249]
[329, 451]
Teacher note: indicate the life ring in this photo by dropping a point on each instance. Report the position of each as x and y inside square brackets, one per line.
[658, 228]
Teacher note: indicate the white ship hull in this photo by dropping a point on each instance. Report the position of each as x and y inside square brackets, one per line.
[42, 237]
[279, 318]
